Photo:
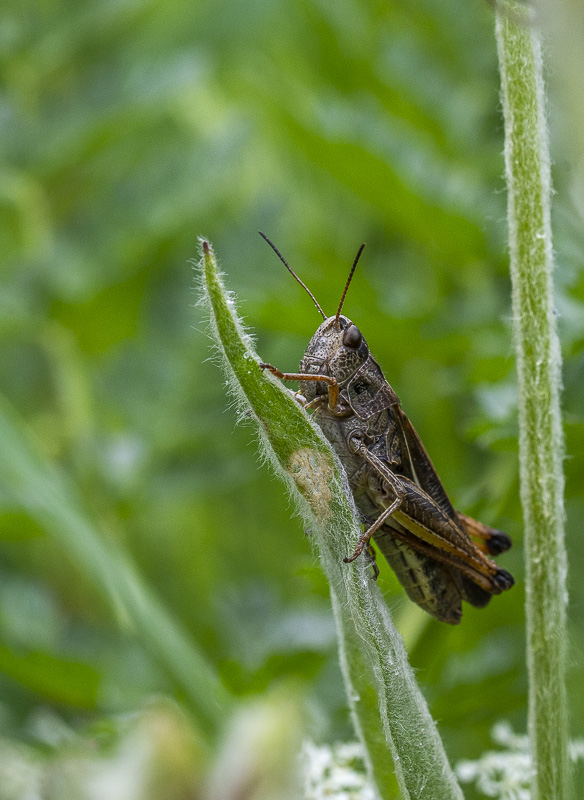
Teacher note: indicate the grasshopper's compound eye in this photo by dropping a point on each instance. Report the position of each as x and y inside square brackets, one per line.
[352, 337]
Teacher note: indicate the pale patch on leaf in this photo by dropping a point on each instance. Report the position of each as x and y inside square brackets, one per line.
[312, 472]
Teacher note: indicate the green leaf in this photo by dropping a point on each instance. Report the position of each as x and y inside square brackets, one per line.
[54, 678]
[46, 494]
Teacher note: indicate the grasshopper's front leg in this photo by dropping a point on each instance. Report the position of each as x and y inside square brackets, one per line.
[332, 385]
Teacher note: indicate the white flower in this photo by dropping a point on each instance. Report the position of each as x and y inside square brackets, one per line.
[506, 774]
[335, 772]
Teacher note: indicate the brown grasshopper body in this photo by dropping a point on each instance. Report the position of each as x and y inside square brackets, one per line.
[438, 554]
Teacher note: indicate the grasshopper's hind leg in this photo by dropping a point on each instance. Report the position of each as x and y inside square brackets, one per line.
[489, 540]
[424, 526]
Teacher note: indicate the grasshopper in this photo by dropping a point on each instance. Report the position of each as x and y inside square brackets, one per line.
[439, 555]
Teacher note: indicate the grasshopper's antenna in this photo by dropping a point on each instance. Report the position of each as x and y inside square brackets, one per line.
[349, 279]
[289, 268]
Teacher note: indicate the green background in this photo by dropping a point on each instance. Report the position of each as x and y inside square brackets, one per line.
[129, 128]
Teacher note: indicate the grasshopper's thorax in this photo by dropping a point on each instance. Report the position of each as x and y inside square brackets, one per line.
[337, 349]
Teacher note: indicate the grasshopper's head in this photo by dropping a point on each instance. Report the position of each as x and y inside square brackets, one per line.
[337, 349]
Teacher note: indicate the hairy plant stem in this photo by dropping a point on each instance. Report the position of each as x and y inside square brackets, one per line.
[538, 367]
[388, 708]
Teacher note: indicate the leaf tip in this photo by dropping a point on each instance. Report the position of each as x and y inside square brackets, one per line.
[206, 247]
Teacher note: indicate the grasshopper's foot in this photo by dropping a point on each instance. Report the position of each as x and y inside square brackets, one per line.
[356, 554]
[364, 545]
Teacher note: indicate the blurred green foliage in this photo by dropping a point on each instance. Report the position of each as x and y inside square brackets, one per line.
[127, 128]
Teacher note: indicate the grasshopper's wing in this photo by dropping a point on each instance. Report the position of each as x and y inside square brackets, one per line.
[489, 540]
[421, 466]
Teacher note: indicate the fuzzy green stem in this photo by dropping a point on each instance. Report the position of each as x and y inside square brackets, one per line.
[538, 367]
[388, 708]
